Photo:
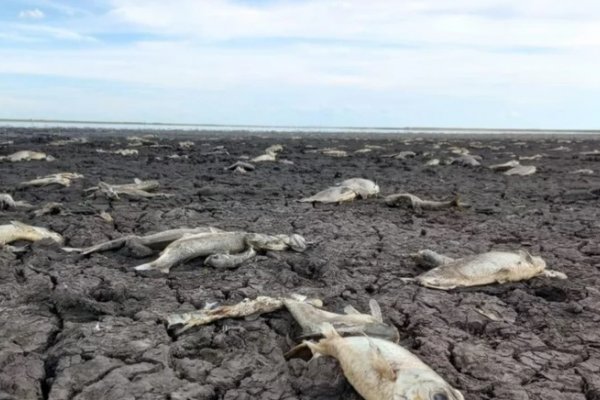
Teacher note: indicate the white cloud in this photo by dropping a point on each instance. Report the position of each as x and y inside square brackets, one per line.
[35, 13]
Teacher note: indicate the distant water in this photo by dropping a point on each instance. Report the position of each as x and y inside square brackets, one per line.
[274, 129]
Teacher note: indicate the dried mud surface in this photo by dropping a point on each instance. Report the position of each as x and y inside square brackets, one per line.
[91, 328]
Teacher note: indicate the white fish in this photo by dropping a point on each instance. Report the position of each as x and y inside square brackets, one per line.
[363, 187]
[27, 155]
[482, 269]
[522, 170]
[382, 370]
[19, 231]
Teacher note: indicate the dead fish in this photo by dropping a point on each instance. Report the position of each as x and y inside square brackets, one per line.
[122, 152]
[363, 151]
[137, 190]
[363, 187]
[590, 155]
[521, 170]
[229, 261]
[459, 150]
[484, 269]
[530, 158]
[584, 171]
[7, 143]
[336, 194]
[382, 370]
[408, 200]
[403, 155]
[466, 160]
[154, 241]
[241, 167]
[8, 203]
[206, 244]
[19, 231]
[334, 153]
[505, 166]
[433, 162]
[63, 142]
[106, 217]
[48, 208]
[265, 157]
[186, 144]
[352, 322]
[141, 140]
[276, 148]
[27, 155]
[246, 308]
[63, 178]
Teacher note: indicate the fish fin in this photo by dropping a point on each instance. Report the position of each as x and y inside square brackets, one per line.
[302, 351]
[144, 267]
[350, 310]
[456, 202]
[328, 331]
[379, 363]
[375, 310]
[554, 274]
[525, 254]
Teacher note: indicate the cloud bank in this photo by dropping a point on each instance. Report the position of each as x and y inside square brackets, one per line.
[495, 63]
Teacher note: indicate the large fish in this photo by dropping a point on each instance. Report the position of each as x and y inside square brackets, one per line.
[20, 231]
[27, 155]
[352, 322]
[382, 370]
[407, 200]
[153, 241]
[206, 244]
[347, 190]
[482, 269]
[307, 313]
[63, 178]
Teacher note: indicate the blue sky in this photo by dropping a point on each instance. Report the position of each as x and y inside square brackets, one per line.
[467, 63]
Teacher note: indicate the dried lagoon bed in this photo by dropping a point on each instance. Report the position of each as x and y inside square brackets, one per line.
[91, 328]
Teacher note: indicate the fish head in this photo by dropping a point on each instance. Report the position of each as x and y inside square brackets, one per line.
[535, 261]
[43, 233]
[297, 243]
[265, 242]
[424, 386]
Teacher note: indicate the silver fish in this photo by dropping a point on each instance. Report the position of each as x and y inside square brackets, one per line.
[206, 244]
[63, 178]
[154, 241]
[363, 187]
[522, 170]
[505, 166]
[352, 322]
[484, 269]
[336, 194]
[382, 370]
[247, 307]
[8, 203]
[27, 155]
[19, 231]
[407, 200]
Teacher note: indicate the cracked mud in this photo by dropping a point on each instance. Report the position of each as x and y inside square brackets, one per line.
[75, 327]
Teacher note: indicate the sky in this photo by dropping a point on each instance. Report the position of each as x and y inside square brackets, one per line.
[377, 63]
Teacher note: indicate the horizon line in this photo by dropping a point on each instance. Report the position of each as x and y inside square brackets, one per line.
[299, 127]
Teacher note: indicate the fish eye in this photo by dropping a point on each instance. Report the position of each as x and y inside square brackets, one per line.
[440, 396]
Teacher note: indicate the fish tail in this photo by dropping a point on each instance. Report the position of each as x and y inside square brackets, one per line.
[456, 201]
[317, 349]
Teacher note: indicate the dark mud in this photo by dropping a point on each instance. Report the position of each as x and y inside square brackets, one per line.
[91, 328]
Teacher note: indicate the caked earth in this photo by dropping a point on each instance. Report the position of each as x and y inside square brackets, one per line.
[91, 327]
